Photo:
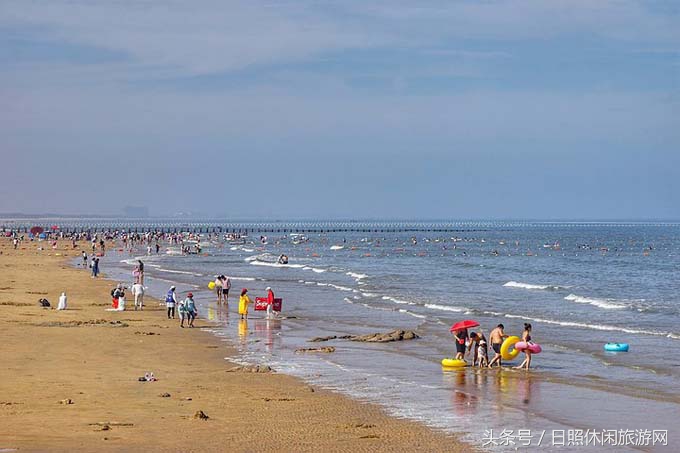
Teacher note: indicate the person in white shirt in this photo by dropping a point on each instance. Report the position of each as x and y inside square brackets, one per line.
[138, 292]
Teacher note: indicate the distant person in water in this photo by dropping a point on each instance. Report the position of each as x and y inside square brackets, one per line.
[283, 259]
[460, 336]
[243, 303]
[526, 337]
[496, 338]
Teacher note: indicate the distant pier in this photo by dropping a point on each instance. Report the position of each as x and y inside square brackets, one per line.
[300, 227]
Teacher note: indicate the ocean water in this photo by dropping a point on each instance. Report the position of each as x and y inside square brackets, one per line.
[579, 285]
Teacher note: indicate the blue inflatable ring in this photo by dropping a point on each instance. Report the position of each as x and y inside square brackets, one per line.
[616, 347]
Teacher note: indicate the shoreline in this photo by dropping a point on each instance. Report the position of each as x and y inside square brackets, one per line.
[94, 357]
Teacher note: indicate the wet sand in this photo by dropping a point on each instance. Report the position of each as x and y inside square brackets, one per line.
[69, 380]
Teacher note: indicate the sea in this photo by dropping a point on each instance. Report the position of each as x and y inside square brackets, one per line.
[579, 284]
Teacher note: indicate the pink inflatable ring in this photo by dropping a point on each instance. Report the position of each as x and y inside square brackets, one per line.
[534, 348]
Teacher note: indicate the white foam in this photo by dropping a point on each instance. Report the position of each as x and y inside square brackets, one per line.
[397, 301]
[357, 276]
[255, 262]
[315, 269]
[582, 325]
[513, 284]
[607, 304]
[415, 315]
[337, 247]
[173, 271]
[445, 308]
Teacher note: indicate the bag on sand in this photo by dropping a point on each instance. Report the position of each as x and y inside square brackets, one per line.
[44, 303]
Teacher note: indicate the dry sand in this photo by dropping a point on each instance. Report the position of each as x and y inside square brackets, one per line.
[93, 358]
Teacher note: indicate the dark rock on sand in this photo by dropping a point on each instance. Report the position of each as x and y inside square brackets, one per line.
[395, 335]
[251, 369]
[326, 349]
[332, 337]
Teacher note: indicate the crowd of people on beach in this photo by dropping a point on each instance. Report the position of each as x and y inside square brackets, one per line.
[467, 342]
[477, 344]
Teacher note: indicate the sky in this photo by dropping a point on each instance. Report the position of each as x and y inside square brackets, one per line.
[364, 109]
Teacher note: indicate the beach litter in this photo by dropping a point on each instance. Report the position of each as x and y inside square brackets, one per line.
[200, 415]
[148, 377]
[66, 401]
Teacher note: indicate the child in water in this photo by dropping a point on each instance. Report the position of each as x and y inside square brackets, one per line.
[243, 303]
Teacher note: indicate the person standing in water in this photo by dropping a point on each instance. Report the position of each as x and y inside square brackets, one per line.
[460, 335]
[496, 337]
[270, 302]
[218, 288]
[140, 271]
[226, 286]
[526, 337]
[243, 303]
[478, 347]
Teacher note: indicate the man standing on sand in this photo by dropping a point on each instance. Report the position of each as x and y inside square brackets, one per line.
[84, 259]
[138, 292]
[496, 337]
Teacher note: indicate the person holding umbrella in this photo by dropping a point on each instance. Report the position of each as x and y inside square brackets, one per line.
[460, 333]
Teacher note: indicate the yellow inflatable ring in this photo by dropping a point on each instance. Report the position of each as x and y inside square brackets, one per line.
[506, 353]
[211, 285]
[453, 363]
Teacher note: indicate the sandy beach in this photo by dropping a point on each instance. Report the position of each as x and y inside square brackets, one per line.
[69, 380]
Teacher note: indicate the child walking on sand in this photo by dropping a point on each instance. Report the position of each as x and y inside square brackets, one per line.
[182, 311]
[190, 307]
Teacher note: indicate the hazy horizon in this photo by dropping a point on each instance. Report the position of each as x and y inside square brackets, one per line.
[372, 109]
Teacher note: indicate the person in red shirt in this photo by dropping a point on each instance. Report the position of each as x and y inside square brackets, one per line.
[270, 301]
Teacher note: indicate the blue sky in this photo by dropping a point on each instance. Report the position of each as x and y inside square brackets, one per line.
[352, 109]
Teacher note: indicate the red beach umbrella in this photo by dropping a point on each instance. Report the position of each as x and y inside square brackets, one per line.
[467, 324]
[55, 227]
[36, 230]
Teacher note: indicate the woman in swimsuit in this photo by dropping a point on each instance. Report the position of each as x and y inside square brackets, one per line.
[526, 337]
